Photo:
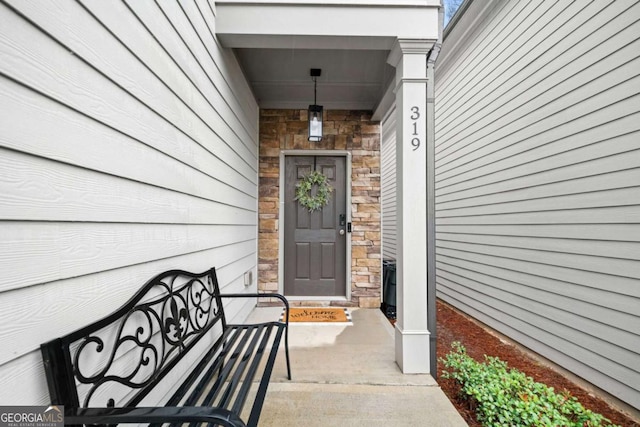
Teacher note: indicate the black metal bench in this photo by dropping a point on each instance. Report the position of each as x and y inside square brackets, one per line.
[171, 342]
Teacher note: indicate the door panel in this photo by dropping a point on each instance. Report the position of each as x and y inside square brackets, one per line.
[314, 249]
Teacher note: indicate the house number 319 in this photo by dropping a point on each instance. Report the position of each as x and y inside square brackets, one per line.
[415, 115]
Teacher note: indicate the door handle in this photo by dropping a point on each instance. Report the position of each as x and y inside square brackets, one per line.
[342, 231]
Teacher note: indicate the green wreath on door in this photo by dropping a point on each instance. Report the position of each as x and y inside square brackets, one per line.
[304, 187]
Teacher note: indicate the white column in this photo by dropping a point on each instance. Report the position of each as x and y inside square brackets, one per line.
[412, 335]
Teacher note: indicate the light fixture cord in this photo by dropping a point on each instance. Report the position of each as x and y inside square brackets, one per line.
[315, 89]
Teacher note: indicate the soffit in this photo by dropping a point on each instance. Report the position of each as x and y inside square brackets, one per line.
[277, 42]
[351, 79]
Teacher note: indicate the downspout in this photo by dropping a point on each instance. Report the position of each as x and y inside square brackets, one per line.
[431, 198]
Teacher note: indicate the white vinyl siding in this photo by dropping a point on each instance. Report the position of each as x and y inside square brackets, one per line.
[388, 183]
[538, 180]
[128, 146]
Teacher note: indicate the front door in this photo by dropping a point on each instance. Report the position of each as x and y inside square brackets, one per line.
[315, 243]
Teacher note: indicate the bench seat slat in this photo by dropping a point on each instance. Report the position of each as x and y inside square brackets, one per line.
[249, 354]
[228, 368]
[212, 356]
[251, 373]
[279, 329]
[262, 388]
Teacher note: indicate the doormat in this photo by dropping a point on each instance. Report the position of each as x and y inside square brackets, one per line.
[317, 315]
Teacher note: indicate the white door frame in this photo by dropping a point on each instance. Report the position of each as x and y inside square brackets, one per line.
[334, 153]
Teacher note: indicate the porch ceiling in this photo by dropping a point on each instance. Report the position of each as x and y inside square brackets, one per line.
[277, 42]
[351, 79]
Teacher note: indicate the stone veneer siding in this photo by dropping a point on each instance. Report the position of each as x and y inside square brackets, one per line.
[353, 131]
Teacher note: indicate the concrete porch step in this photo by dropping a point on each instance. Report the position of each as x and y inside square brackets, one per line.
[346, 375]
[298, 404]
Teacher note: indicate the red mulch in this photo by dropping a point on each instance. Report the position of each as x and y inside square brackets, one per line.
[454, 326]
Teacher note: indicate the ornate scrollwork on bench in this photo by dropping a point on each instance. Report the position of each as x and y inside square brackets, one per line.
[166, 317]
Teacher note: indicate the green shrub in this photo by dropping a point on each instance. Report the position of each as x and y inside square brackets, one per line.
[507, 397]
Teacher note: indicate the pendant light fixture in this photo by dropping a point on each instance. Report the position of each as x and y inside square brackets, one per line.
[315, 111]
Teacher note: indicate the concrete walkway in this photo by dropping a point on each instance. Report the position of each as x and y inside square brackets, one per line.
[346, 375]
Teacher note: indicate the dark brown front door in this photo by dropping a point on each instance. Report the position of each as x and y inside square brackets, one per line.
[315, 243]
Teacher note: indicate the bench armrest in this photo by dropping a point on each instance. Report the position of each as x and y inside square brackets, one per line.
[286, 318]
[167, 414]
[257, 295]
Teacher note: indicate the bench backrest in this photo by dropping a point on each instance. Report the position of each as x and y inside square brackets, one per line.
[118, 360]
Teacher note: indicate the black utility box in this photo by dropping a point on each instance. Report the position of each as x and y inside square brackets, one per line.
[389, 288]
